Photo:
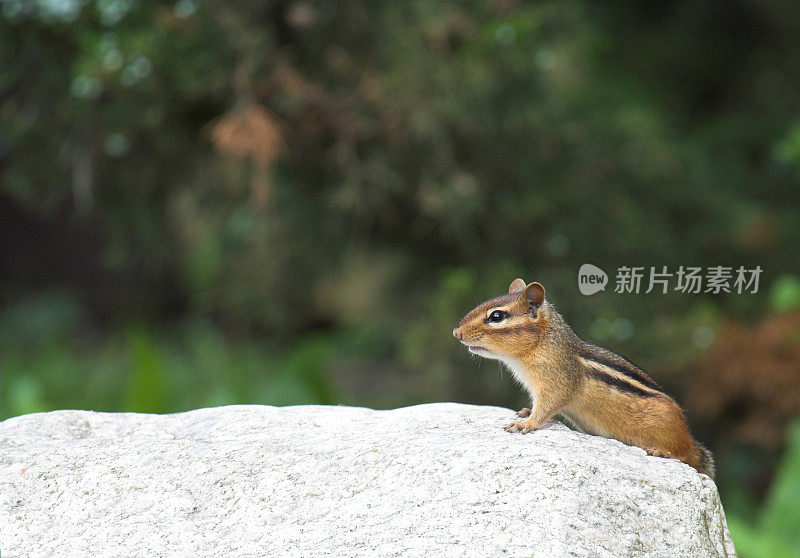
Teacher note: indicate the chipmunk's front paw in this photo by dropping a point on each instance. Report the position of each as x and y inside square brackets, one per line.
[524, 427]
[524, 413]
[657, 452]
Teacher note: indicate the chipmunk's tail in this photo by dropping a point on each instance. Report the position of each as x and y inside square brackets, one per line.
[705, 461]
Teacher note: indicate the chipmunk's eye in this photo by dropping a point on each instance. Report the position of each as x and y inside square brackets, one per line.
[497, 316]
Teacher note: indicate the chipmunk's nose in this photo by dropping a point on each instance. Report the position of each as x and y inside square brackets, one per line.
[458, 335]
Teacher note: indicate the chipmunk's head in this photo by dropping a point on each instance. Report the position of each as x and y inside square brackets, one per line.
[507, 327]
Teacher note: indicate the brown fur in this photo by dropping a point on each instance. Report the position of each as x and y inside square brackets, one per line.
[598, 391]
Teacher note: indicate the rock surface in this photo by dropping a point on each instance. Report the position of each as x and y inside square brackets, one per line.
[432, 480]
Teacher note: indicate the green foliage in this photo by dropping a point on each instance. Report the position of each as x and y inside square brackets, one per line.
[785, 294]
[774, 534]
[436, 136]
[149, 370]
[781, 514]
[147, 390]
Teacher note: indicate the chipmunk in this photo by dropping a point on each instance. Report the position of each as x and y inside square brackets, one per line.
[599, 392]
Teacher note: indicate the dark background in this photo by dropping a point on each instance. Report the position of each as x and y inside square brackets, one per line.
[295, 202]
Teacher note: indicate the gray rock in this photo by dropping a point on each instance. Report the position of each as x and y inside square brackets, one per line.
[432, 480]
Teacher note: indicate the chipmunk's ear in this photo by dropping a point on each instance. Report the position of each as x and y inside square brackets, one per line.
[516, 285]
[534, 294]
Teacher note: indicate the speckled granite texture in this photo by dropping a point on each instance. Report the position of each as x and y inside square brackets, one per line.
[433, 480]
